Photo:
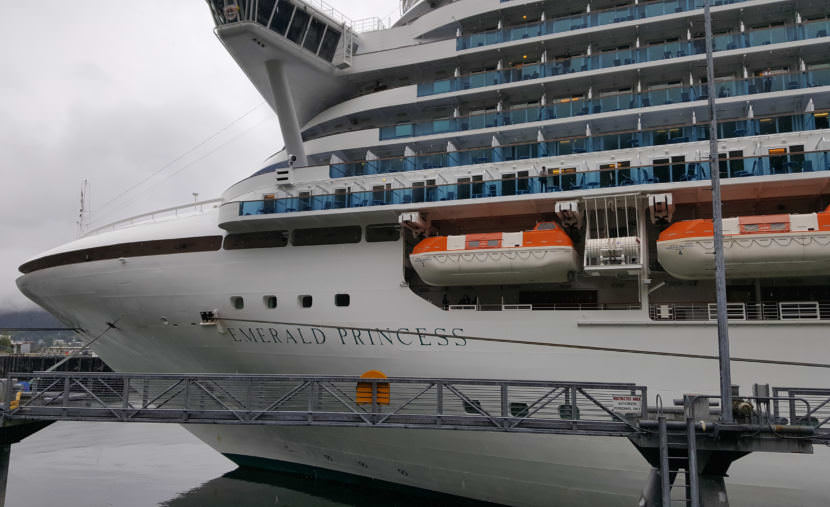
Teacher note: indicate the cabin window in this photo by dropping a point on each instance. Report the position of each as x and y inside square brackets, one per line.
[238, 302]
[567, 177]
[304, 201]
[268, 204]
[270, 302]
[314, 35]
[418, 194]
[269, 239]
[751, 228]
[473, 244]
[329, 45]
[463, 188]
[305, 301]
[777, 227]
[282, 17]
[614, 174]
[381, 194]
[327, 236]
[731, 164]
[493, 243]
[342, 300]
[523, 183]
[341, 198]
[508, 184]
[546, 226]
[383, 232]
[423, 191]
[264, 11]
[298, 26]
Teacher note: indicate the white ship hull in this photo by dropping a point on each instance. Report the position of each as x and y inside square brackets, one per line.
[155, 301]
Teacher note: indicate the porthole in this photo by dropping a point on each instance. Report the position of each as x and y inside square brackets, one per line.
[305, 301]
[342, 300]
[238, 302]
[270, 302]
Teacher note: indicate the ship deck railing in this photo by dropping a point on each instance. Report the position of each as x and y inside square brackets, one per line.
[591, 19]
[175, 212]
[574, 106]
[764, 311]
[555, 181]
[650, 136]
[227, 12]
[518, 307]
[631, 56]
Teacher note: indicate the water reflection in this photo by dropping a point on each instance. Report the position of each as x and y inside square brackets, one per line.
[244, 486]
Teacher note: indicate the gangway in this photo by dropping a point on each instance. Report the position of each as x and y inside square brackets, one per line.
[687, 437]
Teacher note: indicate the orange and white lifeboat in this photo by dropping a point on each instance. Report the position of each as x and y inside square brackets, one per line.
[544, 255]
[770, 246]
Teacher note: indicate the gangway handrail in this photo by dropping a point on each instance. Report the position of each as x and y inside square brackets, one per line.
[586, 409]
[519, 406]
[524, 406]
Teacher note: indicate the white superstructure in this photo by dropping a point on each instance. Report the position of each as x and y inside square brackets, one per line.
[467, 118]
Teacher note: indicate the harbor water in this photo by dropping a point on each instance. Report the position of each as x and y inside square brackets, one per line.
[139, 465]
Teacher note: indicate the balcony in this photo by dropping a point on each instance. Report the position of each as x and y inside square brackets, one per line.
[572, 145]
[580, 21]
[559, 180]
[630, 56]
[578, 106]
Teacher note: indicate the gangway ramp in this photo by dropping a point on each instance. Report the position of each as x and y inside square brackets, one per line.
[688, 441]
[608, 409]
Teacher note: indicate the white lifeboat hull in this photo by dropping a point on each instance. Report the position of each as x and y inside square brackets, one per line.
[502, 266]
[749, 256]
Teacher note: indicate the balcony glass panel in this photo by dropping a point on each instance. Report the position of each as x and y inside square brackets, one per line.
[567, 108]
[559, 180]
[579, 21]
[813, 29]
[628, 56]
[673, 135]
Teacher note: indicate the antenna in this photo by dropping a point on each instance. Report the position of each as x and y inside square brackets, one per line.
[86, 208]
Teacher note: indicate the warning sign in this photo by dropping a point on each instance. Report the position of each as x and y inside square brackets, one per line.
[626, 404]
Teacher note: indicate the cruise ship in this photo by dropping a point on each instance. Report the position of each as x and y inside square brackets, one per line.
[513, 189]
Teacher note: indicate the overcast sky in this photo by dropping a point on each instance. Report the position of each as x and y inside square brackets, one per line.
[112, 92]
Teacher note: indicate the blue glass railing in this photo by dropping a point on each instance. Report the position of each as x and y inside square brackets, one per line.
[656, 137]
[579, 21]
[558, 181]
[577, 106]
[723, 42]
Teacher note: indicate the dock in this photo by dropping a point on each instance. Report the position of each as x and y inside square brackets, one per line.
[685, 438]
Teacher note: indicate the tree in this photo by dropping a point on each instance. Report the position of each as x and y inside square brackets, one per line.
[5, 343]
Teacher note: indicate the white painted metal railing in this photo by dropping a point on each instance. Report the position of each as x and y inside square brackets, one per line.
[181, 211]
[800, 310]
[785, 310]
[541, 307]
[734, 311]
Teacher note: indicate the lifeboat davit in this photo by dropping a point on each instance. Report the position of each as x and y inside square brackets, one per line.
[771, 246]
[544, 255]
